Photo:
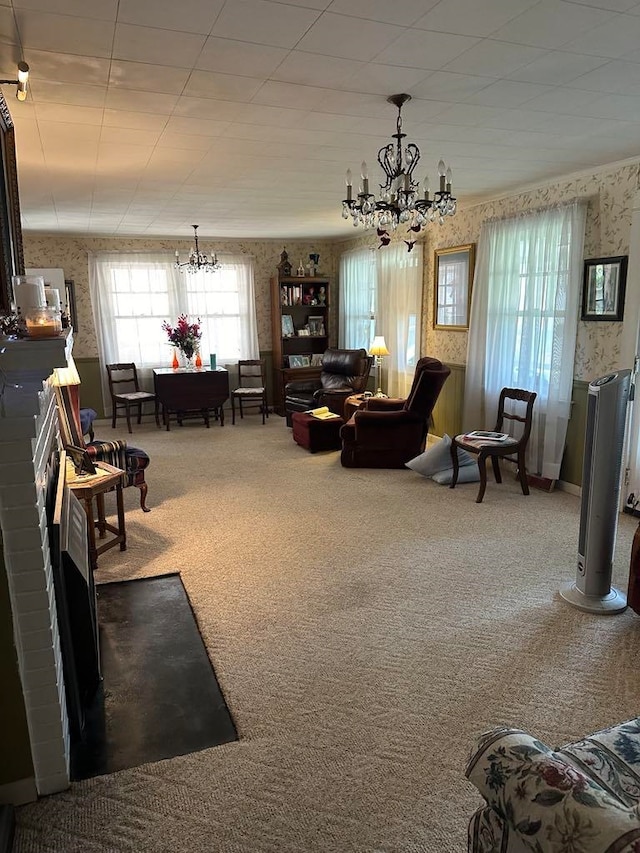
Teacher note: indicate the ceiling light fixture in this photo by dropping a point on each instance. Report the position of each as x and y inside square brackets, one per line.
[198, 261]
[21, 82]
[400, 202]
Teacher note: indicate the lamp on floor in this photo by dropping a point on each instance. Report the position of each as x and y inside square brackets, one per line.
[379, 349]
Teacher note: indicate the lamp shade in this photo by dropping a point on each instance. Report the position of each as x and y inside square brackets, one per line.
[378, 347]
[63, 376]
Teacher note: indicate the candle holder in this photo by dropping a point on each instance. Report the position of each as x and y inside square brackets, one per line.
[43, 323]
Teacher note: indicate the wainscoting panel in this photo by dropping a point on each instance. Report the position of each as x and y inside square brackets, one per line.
[447, 414]
[90, 390]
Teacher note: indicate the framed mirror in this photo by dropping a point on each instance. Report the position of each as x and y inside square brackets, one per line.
[11, 250]
[453, 278]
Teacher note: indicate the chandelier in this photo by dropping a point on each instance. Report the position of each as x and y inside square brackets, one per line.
[400, 201]
[198, 261]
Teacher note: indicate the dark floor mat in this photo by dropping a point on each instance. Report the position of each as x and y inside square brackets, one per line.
[160, 697]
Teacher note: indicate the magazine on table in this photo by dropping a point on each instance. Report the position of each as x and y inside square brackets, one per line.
[322, 413]
[487, 435]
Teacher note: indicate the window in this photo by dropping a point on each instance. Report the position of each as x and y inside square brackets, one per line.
[381, 294]
[132, 294]
[524, 323]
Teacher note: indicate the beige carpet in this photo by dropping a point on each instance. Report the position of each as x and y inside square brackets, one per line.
[365, 626]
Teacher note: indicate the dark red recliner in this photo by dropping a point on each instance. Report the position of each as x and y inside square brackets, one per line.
[388, 433]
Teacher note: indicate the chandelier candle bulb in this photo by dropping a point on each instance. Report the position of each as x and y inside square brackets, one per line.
[349, 186]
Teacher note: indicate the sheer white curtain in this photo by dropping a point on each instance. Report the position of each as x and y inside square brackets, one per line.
[524, 316]
[357, 299]
[398, 314]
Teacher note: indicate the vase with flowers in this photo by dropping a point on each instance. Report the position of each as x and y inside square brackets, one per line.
[184, 336]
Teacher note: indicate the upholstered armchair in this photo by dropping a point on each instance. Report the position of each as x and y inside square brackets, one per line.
[583, 797]
[388, 433]
[131, 460]
[344, 372]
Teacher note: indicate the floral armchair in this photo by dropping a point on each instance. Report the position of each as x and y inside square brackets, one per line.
[582, 798]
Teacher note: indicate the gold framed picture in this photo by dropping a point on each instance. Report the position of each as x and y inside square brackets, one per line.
[453, 279]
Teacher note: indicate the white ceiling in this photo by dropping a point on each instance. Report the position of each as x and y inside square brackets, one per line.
[145, 116]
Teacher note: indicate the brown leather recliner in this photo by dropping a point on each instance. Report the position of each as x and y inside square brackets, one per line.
[344, 372]
[388, 433]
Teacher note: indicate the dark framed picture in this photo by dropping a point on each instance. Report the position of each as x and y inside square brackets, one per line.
[453, 277]
[81, 459]
[70, 289]
[605, 280]
[11, 251]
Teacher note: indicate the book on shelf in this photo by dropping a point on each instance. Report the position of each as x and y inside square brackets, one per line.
[487, 435]
[322, 413]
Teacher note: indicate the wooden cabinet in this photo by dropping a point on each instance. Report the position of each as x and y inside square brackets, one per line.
[299, 328]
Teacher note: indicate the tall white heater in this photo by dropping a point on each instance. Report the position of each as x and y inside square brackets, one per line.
[604, 439]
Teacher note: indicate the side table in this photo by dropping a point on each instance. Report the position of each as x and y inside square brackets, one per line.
[86, 487]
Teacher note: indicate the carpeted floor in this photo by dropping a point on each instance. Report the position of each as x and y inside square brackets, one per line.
[365, 626]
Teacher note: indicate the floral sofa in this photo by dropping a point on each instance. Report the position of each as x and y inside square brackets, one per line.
[582, 798]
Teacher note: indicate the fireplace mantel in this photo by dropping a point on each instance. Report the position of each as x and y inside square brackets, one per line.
[28, 434]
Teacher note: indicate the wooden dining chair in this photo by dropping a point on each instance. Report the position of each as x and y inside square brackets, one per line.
[127, 375]
[252, 388]
[512, 448]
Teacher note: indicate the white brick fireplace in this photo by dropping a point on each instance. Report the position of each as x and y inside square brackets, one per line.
[28, 433]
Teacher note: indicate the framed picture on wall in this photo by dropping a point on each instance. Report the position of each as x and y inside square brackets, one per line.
[453, 277]
[603, 289]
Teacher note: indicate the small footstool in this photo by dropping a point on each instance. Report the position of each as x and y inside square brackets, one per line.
[315, 434]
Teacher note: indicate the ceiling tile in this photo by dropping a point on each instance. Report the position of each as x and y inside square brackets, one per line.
[448, 86]
[225, 87]
[613, 39]
[377, 79]
[352, 38]
[480, 18]
[8, 32]
[128, 136]
[134, 120]
[64, 34]
[422, 49]
[196, 126]
[508, 93]
[613, 5]
[617, 77]
[404, 13]
[552, 23]
[229, 57]
[102, 10]
[69, 114]
[263, 22]
[267, 115]
[147, 78]
[312, 69]
[183, 140]
[190, 16]
[556, 67]
[45, 92]
[153, 45]
[208, 108]
[494, 58]
[143, 102]
[562, 99]
[67, 67]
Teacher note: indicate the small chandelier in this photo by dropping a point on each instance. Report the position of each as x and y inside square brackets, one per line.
[198, 261]
[400, 202]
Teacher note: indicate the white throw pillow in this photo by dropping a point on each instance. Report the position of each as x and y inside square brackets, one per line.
[438, 458]
[466, 474]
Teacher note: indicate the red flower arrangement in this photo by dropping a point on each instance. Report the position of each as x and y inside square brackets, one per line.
[185, 335]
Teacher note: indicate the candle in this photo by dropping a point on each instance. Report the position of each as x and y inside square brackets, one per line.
[52, 295]
[43, 323]
[28, 293]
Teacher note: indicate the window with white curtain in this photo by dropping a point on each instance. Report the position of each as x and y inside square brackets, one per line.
[381, 294]
[132, 294]
[524, 317]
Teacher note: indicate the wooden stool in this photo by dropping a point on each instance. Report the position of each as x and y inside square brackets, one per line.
[90, 486]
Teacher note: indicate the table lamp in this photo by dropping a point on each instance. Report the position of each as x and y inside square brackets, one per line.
[378, 349]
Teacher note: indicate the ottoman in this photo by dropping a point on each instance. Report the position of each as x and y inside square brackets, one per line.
[315, 434]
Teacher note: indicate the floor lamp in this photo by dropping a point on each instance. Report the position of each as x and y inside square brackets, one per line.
[379, 350]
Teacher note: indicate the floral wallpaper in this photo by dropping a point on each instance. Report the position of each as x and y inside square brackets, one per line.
[610, 194]
[71, 255]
